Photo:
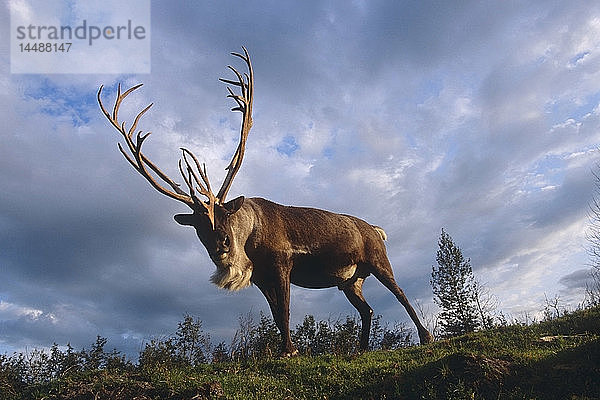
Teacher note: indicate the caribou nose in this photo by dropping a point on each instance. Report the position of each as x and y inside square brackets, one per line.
[221, 252]
[221, 256]
[218, 256]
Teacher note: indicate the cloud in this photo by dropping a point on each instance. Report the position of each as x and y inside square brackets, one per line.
[576, 279]
[481, 119]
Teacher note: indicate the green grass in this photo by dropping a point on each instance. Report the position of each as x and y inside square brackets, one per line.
[510, 362]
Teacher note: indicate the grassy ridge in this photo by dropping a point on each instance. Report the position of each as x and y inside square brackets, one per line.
[553, 360]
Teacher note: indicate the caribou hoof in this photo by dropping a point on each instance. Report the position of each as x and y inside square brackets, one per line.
[426, 338]
[287, 354]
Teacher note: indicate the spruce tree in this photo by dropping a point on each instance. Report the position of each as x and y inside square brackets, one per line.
[454, 288]
[593, 238]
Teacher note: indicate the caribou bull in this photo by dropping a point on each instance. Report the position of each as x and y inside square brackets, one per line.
[256, 241]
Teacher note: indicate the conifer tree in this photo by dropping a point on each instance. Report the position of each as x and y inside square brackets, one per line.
[593, 238]
[454, 289]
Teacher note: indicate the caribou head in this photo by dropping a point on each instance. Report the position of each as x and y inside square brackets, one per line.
[256, 241]
[210, 216]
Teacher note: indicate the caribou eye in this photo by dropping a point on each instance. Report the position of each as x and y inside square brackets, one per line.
[226, 241]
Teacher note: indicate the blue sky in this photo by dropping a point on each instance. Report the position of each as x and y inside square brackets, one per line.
[481, 118]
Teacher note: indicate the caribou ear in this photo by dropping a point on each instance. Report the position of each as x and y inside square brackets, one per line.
[185, 219]
[234, 205]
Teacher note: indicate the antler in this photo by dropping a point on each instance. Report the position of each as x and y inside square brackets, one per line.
[196, 178]
[138, 160]
[244, 105]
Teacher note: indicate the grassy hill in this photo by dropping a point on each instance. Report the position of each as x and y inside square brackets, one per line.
[556, 359]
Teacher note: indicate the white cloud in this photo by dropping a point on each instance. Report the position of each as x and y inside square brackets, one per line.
[10, 311]
[486, 129]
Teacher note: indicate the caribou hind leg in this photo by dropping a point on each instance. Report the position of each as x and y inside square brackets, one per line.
[354, 294]
[383, 272]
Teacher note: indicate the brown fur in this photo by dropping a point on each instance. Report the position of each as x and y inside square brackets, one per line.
[272, 246]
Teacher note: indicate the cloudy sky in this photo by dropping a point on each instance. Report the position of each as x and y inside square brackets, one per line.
[482, 118]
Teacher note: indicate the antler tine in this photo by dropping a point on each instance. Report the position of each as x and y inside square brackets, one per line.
[244, 100]
[187, 179]
[202, 171]
[205, 189]
[230, 82]
[238, 99]
[246, 59]
[139, 161]
[137, 119]
[245, 56]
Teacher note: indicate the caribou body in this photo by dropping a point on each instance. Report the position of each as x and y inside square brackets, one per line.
[256, 241]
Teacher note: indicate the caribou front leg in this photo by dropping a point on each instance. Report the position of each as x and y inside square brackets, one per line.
[277, 293]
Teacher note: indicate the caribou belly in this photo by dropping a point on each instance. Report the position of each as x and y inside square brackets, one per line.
[315, 276]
